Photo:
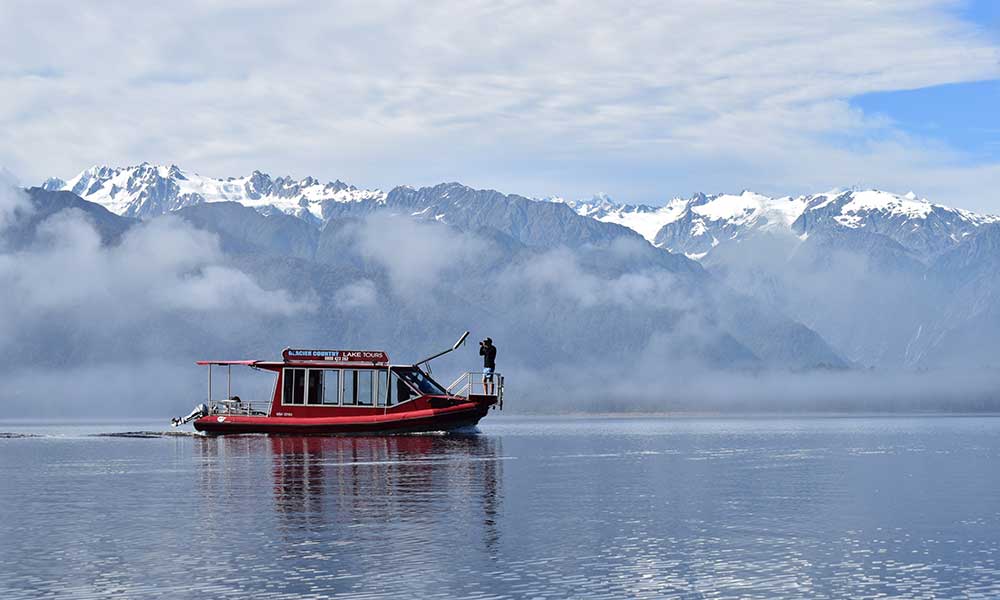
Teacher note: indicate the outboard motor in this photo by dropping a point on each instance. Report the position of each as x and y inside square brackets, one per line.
[199, 411]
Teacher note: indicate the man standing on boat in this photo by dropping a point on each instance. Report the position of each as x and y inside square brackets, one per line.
[489, 353]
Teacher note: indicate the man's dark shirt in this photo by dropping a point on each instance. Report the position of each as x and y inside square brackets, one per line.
[489, 354]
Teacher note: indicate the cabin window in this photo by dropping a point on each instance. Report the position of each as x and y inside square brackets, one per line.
[350, 387]
[420, 381]
[384, 395]
[365, 381]
[294, 386]
[331, 389]
[315, 395]
[401, 389]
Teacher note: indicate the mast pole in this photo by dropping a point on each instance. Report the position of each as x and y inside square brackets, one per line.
[460, 341]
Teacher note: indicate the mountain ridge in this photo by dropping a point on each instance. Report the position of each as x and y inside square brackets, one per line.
[693, 226]
[886, 279]
[696, 225]
[145, 190]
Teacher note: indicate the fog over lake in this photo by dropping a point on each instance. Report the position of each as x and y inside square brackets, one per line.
[104, 315]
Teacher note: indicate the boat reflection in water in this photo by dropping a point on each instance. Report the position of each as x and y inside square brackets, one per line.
[351, 505]
[383, 479]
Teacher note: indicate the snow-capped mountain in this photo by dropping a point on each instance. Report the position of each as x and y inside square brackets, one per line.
[918, 225]
[703, 222]
[644, 220]
[147, 190]
[696, 225]
[887, 280]
[692, 226]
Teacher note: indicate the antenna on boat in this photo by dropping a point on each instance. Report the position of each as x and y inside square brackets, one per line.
[460, 341]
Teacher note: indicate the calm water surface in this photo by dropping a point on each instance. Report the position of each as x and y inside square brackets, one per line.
[537, 508]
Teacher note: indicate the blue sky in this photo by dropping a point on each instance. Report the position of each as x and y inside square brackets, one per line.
[985, 13]
[644, 103]
[965, 116]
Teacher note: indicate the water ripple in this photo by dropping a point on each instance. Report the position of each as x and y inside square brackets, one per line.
[549, 509]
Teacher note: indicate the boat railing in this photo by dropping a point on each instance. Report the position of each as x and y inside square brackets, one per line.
[471, 383]
[238, 407]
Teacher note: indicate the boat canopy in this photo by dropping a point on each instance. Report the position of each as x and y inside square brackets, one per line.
[310, 355]
[226, 362]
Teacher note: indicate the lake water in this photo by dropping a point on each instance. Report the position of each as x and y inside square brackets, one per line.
[905, 507]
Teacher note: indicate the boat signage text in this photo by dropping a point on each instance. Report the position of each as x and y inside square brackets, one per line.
[369, 356]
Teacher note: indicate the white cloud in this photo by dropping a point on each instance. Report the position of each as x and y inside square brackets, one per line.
[563, 97]
[559, 274]
[14, 203]
[357, 294]
[417, 256]
[162, 267]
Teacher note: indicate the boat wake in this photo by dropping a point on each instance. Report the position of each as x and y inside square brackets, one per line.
[148, 434]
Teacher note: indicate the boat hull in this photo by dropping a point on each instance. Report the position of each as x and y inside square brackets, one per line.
[444, 419]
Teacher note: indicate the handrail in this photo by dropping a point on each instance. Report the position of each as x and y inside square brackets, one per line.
[470, 379]
[229, 407]
[460, 378]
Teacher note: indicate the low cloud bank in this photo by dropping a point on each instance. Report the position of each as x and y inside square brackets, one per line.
[667, 387]
[110, 330]
[160, 266]
[14, 203]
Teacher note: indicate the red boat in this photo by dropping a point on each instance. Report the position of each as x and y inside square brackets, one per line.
[347, 391]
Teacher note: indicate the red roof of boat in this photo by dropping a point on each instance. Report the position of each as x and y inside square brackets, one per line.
[294, 363]
[226, 362]
[310, 357]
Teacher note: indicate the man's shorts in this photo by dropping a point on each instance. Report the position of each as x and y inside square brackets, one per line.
[488, 373]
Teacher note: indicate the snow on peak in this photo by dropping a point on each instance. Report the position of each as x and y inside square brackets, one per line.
[751, 209]
[877, 200]
[644, 220]
[876, 208]
[734, 210]
[145, 190]
[696, 225]
[693, 226]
